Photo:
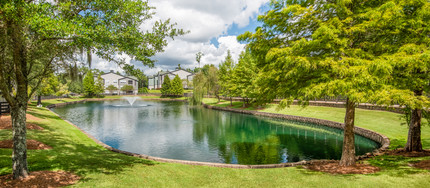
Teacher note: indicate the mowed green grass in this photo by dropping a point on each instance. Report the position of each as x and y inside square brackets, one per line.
[73, 151]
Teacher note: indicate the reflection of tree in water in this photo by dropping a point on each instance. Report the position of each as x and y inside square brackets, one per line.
[246, 139]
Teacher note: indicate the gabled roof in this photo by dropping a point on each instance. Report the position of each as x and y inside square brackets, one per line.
[129, 77]
[182, 70]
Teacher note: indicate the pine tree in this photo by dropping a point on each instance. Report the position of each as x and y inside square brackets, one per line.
[224, 76]
[243, 78]
[88, 84]
[177, 88]
[166, 87]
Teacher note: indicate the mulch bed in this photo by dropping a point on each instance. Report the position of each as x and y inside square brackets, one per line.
[31, 144]
[402, 152]
[41, 179]
[422, 164]
[334, 168]
[6, 122]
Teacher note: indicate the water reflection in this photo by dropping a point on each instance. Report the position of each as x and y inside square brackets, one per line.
[178, 131]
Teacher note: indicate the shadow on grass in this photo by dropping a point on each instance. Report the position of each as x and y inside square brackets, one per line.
[72, 151]
[78, 158]
[397, 165]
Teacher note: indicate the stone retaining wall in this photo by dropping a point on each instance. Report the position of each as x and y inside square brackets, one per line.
[383, 140]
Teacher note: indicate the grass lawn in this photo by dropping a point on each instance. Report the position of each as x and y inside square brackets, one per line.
[75, 152]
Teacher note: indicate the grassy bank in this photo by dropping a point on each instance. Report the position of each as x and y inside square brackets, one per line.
[74, 151]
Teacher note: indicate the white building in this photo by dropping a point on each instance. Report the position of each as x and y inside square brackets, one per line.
[155, 82]
[119, 81]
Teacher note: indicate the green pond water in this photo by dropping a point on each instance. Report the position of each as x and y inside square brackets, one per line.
[176, 130]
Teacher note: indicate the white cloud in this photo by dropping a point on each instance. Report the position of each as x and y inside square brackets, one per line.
[205, 20]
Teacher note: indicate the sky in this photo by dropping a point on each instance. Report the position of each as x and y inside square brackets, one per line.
[213, 25]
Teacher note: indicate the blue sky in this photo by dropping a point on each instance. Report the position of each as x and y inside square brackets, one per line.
[213, 26]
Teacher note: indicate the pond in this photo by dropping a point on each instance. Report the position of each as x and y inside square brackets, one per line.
[175, 130]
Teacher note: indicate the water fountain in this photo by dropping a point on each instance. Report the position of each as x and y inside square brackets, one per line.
[130, 100]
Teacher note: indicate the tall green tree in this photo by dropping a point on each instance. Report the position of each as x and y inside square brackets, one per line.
[166, 87]
[89, 84]
[177, 87]
[199, 83]
[224, 76]
[403, 29]
[99, 86]
[243, 78]
[36, 35]
[314, 49]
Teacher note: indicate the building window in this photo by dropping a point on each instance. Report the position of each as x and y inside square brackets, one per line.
[122, 82]
[115, 82]
[130, 82]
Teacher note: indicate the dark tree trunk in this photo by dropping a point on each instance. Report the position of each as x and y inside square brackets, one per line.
[244, 103]
[231, 101]
[39, 100]
[414, 134]
[348, 150]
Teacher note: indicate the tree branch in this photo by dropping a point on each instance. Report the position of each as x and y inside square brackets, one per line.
[39, 76]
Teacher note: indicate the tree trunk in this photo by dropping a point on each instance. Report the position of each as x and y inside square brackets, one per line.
[39, 100]
[414, 134]
[243, 104]
[19, 155]
[231, 101]
[348, 150]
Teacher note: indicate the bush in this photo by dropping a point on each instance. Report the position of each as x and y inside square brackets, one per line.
[143, 90]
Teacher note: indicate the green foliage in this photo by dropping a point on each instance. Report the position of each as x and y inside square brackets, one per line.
[63, 90]
[224, 76]
[75, 87]
[49, 86]
[143, 90]
[127, 88]
[99, 86]
[199, 81]
[88, 84]
[177, 88]
[166, 87]
[243, 82]
[111, 89]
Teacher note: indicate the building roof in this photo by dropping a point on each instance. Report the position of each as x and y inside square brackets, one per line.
[129, 77]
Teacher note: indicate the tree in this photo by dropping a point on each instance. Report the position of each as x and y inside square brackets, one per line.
[127, 88]
[199, 81]
[166, 87]
[99, 86]
[38, 34]
[75, 86]
[111, 88]
[243, 83]
[89, 84]
[313, 49]
[177, 87]
[199, 57]
[224, 76]
[48, 87]
[402, 27]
